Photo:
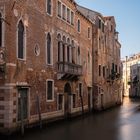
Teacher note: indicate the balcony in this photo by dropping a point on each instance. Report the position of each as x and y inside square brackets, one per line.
[68, 71]
[113, 77]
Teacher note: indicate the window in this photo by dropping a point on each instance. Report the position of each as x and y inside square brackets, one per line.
[78, 55]
[73, 52]
[59, 9]
[63, 53]
[103, 71]
[99, 70]
[49, 49]
[68, 50]
[21, 47]
[100, 23]
[64, 12]
[102, 27]
[80, 89]
[68, 53]
[74, 100]
[78, 26]
[59, 47]
[59, 51]
[72, 18]
[49, 7]
[89, 67]
[0, 30]
[50, 91]
[68, 15]
[88, 32]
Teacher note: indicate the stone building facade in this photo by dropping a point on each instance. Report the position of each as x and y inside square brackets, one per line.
[106, 60]
[46, 62]
[129, 64]
[134, 80]
[57, 60]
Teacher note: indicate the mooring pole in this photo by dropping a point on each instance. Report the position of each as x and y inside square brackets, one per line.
[22, 117]
[39, 112]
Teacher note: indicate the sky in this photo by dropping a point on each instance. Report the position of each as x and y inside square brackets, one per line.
[127, 17]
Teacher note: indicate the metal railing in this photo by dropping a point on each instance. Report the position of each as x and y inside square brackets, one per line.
[69, 68]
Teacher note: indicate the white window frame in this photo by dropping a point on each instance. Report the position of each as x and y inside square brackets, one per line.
[51, 49]
[60, 16]
[51, 8]
[52, 90]
[65, 12]
[72, 23]
[24, 52]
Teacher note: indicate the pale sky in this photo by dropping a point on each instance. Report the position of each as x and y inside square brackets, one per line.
[127, 16]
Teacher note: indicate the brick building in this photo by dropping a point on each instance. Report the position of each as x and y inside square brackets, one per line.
[57, 59]
[45, 65]
[106, 60]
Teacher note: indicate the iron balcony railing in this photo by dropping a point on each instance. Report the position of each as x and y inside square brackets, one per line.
[69, 68]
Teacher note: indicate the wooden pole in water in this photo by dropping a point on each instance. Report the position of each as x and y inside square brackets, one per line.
[39, 112]
[22, 115]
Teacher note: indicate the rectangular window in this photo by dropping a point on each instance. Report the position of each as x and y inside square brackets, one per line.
[68, 15]
[50, 89]
[59, 9]
[103, 27]
[103, 71]
[88, 32]
[49, 6]
[80, 89]
[74, 100]
[100, 23]
[99, 70]
[78, 25]
[64, 12]
[72, 18]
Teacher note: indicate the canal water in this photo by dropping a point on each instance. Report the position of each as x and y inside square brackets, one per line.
[119, 123]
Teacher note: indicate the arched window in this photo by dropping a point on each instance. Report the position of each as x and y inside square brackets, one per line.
[0, 30]
[64, 42]
[68, 50]
[49, 7]
[78, 26]
[49, 49]
[73, 51]
[59, 47]
[21, 47]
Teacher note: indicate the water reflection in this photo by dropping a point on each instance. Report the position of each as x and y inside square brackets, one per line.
[121, 123]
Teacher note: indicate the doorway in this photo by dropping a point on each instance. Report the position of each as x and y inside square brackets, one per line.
[67, 99]
[22, 104]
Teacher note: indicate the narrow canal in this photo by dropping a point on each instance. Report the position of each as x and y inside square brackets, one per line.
[120, 123]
